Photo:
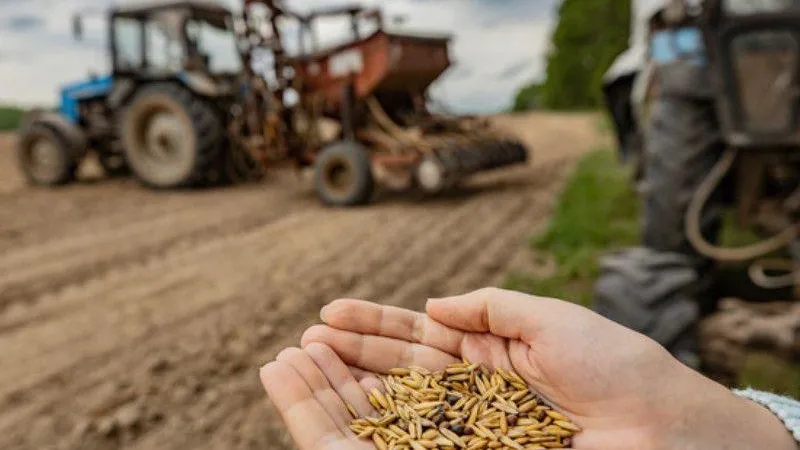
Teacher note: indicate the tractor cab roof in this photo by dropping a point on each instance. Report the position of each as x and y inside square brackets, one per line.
[151, 7]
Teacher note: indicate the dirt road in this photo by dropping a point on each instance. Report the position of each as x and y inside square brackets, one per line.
[134, 319]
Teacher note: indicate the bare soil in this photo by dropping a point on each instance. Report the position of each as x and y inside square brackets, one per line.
[137, 319]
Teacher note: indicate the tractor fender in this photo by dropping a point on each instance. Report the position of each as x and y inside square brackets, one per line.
[72, 134]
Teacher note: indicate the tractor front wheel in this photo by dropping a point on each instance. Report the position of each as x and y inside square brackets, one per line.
[343, 175]
[45, 156]
[171, 137]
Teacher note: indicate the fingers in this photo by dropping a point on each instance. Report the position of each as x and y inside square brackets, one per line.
[367, 380]
[340, 378]
[377, 353]
[330, 400]
[507, 314]
[388, 321]
[308, 422]
[359, 374]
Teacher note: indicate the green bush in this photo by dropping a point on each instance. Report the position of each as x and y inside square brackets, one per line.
[528, 98]
[589, 36]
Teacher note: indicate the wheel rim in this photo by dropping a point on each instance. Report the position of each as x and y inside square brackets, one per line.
[339, 177]
[163, 139]
[160, 143]
[44, 159]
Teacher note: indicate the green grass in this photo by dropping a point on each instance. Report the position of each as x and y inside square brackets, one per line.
[10, 117]
[597, 212]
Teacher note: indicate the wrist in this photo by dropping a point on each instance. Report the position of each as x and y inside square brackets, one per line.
[786, 409]
[708, 415]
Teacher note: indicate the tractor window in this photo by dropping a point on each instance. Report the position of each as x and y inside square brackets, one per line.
[216, 45]
[128, 44]
[765, 64]
[164, 52]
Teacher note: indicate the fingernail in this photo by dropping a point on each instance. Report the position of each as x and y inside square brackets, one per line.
[322, 313]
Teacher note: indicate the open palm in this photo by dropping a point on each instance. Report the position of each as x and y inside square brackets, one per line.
[311, 388]
[624, 390]
[613, 382]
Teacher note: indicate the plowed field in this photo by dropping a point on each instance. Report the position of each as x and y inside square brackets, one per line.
[136, 319]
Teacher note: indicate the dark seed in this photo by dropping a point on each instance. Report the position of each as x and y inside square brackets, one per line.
[468, 432]
[512, 419]
[452, 399]
[540, 415]
[458, 429]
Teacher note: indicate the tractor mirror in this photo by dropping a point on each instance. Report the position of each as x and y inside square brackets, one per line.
[77, 27]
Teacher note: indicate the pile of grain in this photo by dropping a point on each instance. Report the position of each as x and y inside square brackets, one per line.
[465, 406]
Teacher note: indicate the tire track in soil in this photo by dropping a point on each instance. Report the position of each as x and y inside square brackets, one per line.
[144, 290]
[32, 271]
[41, 216]
[48, 299]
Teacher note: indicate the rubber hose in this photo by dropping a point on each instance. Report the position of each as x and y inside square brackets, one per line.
[693, 215]
[758, 273]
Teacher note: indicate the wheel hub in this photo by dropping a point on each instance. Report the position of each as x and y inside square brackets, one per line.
[44, 156]
[339, 176]
[164, 138]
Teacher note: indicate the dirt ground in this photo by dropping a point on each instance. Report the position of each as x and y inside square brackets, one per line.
[138, 320]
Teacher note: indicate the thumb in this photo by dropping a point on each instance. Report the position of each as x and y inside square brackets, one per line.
[508, 314]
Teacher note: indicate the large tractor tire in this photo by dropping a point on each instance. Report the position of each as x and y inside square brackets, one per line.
[653, 293]
[343, 175]
[236, 166]
[171, 137]
[48, 154]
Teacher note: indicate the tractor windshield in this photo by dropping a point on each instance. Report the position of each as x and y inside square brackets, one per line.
[216, 44]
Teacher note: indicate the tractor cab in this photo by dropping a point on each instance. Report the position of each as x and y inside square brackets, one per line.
[192, 41]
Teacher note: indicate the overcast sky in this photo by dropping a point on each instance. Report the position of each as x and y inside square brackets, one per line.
[499, 45]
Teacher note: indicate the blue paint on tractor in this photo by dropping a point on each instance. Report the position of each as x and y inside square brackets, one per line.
[72, 94]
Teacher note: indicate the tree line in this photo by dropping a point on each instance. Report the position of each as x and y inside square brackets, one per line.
[590, 34]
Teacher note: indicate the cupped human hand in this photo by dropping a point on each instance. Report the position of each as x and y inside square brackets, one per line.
[622, 388]
[311, 389]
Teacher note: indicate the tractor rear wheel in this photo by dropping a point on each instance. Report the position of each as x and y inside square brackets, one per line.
[343, 175]
[45, 156]
[171, 138]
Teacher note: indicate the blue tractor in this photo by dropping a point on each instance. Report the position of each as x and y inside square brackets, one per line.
[164, 112]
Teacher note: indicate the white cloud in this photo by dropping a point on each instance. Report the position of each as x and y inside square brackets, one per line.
[491, 37]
